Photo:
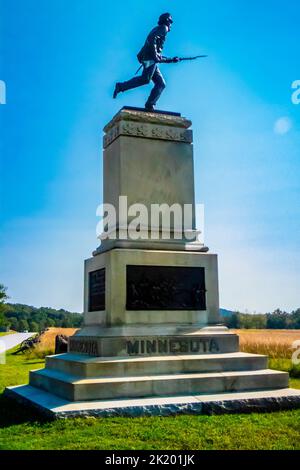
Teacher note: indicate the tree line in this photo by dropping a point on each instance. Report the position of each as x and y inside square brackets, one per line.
[20, 317]
[277, 320]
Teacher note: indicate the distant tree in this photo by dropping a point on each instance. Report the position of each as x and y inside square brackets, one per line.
[67, 323]
[260, 321]
[3, 297]
[50, 322]
[233, 321]
[14, 324]
[295, 315]
[23, 325]
[2, 320]
[278, 320]
[33, 327]
[252, 321]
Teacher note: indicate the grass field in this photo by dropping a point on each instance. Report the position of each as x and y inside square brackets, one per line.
[21, 429]
[7, 333]
[276, 344]
[273, 343]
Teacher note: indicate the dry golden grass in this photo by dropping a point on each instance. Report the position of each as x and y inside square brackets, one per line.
[273, 343]
[47, 344]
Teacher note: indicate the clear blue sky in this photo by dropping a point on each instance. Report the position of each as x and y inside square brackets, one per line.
[60, 59]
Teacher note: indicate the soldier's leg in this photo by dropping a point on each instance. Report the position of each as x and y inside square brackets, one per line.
[138, 81]
[159, 86]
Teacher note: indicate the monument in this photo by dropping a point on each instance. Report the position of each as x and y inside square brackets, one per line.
[152, 341]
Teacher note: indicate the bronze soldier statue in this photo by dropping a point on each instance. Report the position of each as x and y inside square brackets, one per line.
[150, 56]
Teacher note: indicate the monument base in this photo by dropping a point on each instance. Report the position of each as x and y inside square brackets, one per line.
[53, 407]
[198, 372]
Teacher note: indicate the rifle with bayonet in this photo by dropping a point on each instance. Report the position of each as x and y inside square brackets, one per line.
[165, 60]
[181, 59]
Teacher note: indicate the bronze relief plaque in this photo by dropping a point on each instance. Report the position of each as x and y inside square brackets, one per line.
[97, 290]
[165, 288]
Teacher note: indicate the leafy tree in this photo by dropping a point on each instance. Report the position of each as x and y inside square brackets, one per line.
[295, 315]
[14, 324]
[3, 296]
[233, 321]
[2, 321]
[33, 326]
[252, 321]
[277, 320]
[67, 323]
[50, 322]
[23, 325]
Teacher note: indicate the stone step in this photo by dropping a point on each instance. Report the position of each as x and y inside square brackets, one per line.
[69, 387]
[86, 367]
[239, 402]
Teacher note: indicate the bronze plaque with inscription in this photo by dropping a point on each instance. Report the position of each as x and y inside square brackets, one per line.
[97, 290]
[165, 288]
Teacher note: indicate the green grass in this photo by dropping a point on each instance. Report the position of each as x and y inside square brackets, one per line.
[22, 429]
[16, 370]
[256, 431]
[286, 365]
[6, 333]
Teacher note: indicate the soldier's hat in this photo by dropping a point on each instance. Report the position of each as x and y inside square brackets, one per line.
[165, 19]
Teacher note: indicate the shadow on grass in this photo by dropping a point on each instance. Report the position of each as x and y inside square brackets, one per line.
[13, 413]
[35, 362]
